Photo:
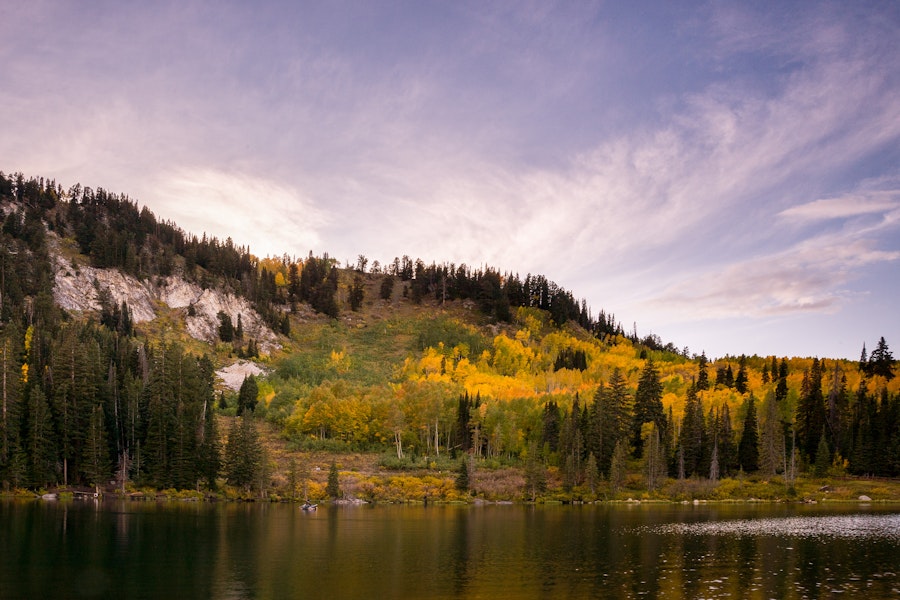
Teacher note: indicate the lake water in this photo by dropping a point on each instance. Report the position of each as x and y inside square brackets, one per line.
[179, 550]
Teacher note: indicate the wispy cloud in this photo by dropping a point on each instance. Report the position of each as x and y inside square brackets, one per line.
[810, 276]
[851, 205]
[221, 204]
[724, 164]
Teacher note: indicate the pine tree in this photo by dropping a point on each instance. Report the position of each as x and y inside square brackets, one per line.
[823, 458]
[463, 476]
[810, 412]
[610, 419]
[209, 451]
[96, 463]
[655, 468]
[39, 446]
[247, 395]
[729, 377]
[617, 469]
[11, 405]
[781, 388]
[572, 446]
[692, 433]
[703, 372]
[550, 436]
[740, 381]
[75, 365]
[243, 453]
[386, 291]
[748, 449]
[647, 405]
[726, 443]
[333, 487]
[864, 425]
[772, 450]
[837, 415]
[535, 472]
[592, 472]
[226, 327]
[881, 361]
[357, 293]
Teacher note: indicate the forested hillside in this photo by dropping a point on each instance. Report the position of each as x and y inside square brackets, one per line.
[430, 363]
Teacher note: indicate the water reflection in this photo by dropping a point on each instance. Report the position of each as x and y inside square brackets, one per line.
[139, 550]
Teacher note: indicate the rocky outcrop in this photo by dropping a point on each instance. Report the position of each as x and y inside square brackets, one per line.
[77, 288]
[234, 374]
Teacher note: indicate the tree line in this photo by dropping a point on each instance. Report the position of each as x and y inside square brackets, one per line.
[858, 431]
[114, 232]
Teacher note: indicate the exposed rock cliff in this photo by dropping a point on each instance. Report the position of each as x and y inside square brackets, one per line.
[76, 288]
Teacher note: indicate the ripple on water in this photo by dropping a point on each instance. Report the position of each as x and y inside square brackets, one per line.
[840, 526]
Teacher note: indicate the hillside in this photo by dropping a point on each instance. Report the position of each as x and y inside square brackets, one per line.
[434, 379]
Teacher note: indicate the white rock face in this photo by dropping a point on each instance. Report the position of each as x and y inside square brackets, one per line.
[76, 289]
[233, 375]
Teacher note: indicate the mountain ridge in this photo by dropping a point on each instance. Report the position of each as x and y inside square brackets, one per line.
[102, 303]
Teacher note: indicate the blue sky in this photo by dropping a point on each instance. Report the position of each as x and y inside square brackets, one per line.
[724, 174]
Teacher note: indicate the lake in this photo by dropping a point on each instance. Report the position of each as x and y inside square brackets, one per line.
[230, 551]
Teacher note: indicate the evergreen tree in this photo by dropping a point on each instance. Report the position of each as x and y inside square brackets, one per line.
[823, 458]
[592, 472]
[160, 416]
[610, 419]
[247, 395]
[535, 472]
[11, 409]
[647, 405]
[881, 361]
[462, 432]
[96, 463]
[572, 446]
[691, 439]
[703, 372]
[724, 441]
[740, 381]
[39, 448]
[748, 449]
[810, 412]
[864, 426]
[209, 451]
[386, 291]
[655, 468]
[729, 377]
[243, 453]
[772, 450]
[357, 293]
[226, 327]
[333, 487]
[550, 436]
[617, 469]
[837, 417]
[76, 385]
[463, 474]
[781, 387]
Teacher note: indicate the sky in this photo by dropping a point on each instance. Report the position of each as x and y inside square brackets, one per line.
[725, 175]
